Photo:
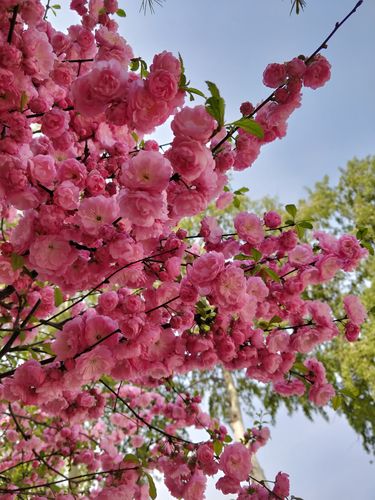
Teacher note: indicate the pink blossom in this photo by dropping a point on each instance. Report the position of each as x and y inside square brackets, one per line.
[196, 486]
[95, 183]
[188, 292]
[194, 123]
[210, 230]
[228, 485]
[317, 73]
[43, 170]
[206, 268]
[281, 488]
[352, 332]
[39, 52]
[274, 75]
[224, 200]
[249, 228]
[51, 253]
[145, 112]
[125, 248]
[162, 84]
[66, 195]
[92, 365]
[321, 394]
[296, 67]
[229, 289]
[293, 387]
[350, 251]
[327, 266]
[142, 207]
[84, 97]
[205, 454]
[97, 211]
[148, 171]
[108, 301]
[68, 342]
[272, 219]
[257, 288]
[168, 62]
[355, 310]
[247, 151]
[288, 240]
[190, 158]
[99, 327]
[246, 108]
[107, 80]
[55, 122]
[235, 461]
[7, 274]
[73, 171]
[301, 255]
[278, 341]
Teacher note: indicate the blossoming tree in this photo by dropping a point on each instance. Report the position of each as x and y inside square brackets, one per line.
[105, 299]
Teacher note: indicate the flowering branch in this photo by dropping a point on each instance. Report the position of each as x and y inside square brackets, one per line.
[271, 97]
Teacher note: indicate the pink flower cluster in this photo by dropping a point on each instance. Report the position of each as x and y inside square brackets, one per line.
[101, 286]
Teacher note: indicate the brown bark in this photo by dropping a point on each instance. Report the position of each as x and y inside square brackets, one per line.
[236, 421]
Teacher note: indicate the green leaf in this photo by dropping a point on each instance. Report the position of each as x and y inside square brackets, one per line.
[242, 256]
[135, 136]
[151, 486]
[47, 347]
[134, 64]
[291, 209]
[271, 273]
[368, 246]
[305, 224]
[144, 72]
[17, 261]
[56, 6]
[250, 126]
[275, 319]
[102, 11]
[236, 202]
[336, 402]
[182, 82]
[255, 254]
[300, 231]
[59, 298]
[218, 447]
[228, 439]
[23, 101]
[352, 392]
[215, 105]
[212, 87]
[362, 231]
[121, 13]
[192, 90]
[242, 190]
[130, 457]
[226, 189]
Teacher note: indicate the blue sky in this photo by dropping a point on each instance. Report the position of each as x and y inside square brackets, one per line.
[230, 43]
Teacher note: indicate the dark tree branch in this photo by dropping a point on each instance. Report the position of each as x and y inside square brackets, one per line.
[12, 23]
